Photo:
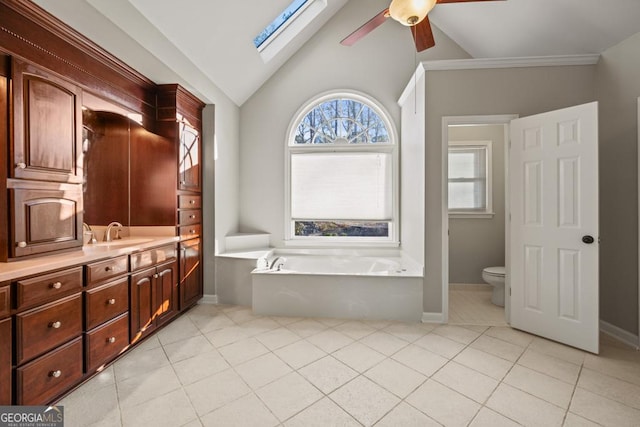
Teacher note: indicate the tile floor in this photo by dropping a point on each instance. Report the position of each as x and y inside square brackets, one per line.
[223, 366]
[471, 305]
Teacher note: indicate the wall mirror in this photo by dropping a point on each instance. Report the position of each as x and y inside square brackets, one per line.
[130, 173]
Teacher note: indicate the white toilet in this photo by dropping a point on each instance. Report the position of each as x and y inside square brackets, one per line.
[495, 277]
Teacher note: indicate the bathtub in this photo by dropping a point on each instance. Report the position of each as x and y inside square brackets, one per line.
[340, 284]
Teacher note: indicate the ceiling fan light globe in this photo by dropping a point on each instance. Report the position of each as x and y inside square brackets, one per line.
[410, 12]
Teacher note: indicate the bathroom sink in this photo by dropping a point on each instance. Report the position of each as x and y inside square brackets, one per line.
[117, 244]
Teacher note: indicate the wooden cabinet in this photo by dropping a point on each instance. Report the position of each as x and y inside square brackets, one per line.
[190, 273]
[45, 217]
[189, 175]
[5, 346]
[154, 295]
[5, 362]
[45, 162]
[106, 302]
[47, 126]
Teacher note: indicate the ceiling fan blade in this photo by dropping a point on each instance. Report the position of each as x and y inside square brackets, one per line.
[461, 1]
[366, 28]
[422, 35]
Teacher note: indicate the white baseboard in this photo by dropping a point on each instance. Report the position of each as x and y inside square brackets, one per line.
[433, 318]
[619, 334]
[209, 299]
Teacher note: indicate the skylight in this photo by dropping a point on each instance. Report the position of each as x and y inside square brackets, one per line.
[278, 22]
[283, 33]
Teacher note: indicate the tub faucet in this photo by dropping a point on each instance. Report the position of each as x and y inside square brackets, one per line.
[107, 232]
[275, 260]
[87, 227]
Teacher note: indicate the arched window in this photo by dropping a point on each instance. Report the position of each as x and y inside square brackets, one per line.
[341, 183]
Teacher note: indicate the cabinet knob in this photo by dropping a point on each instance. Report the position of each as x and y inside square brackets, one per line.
[56, 285]
[155, 276]
[22, 244]
[192, 231]
[21, 165]
[192, 202]
[55, 325]
[111, 301]
[192, 216]
[55, 374]
[108, 268]
[111, 340]
[183, 182]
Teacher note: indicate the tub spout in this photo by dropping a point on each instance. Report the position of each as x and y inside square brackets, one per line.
[275, 263]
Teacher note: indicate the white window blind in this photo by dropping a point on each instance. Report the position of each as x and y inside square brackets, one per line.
[468, 183]
[341, 186]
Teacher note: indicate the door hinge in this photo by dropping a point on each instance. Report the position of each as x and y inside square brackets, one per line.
[509, 291]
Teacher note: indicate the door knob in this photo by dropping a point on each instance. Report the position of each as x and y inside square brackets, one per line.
[588, 239]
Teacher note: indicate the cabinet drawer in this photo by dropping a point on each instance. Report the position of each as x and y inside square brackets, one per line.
[192, 216]
[44, 288]
[189, 231]
[39, 382]
[5, 301]
[103, 270]
[43, 328]
[152, 256]
[106, 342]
[106, 302]
[186, 201]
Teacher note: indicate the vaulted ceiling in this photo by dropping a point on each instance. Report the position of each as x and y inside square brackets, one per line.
[213, 39]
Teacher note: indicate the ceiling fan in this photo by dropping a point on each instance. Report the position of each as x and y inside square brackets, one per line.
[411, 13]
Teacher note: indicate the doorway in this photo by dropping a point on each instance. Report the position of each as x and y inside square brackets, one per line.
[478, 235]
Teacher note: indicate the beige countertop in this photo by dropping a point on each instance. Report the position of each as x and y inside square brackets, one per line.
[88, 253]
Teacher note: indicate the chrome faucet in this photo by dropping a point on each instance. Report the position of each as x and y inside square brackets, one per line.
[107, 232]
[88, 229]
[275, 260]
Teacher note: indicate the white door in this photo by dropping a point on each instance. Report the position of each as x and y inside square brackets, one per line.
[554, 225]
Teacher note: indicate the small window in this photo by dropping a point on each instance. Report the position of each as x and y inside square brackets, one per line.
[342, 173]
[470, 178]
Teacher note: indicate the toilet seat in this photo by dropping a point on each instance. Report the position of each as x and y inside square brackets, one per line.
[495, 271]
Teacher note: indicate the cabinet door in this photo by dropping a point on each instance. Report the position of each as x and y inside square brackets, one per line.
[45, 220]
[190, 273]
[47, 124]
[167, 291]
[5, 362]
[189, 158]
[143, 308]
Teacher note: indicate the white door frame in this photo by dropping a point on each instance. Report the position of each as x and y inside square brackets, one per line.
[447, 121]
[638, 146]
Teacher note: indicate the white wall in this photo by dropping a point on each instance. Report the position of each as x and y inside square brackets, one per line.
[523, 91]
[378, 65]
[476, 243]
[617, 90]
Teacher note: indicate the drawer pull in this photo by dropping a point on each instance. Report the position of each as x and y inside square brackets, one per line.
[108, 268]
[111, 340]
[192, 216]
[56, 285]
[155, 276]
[55, 325]
[111, 301]
[192, 202]
[21, 165]
[55, 374]
[192, 231]
[22, 244]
